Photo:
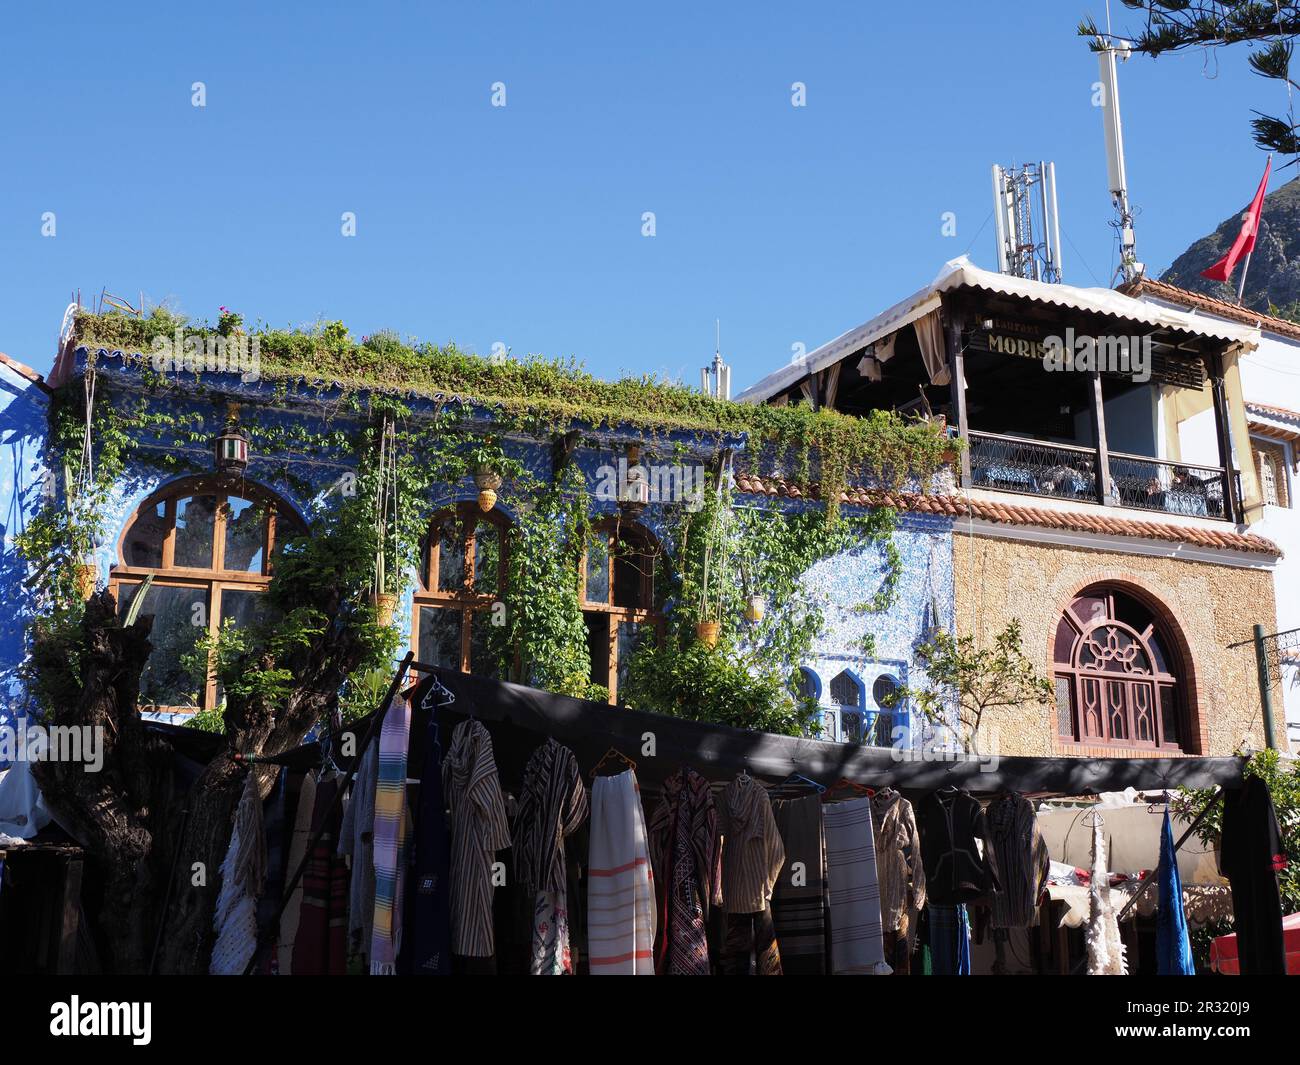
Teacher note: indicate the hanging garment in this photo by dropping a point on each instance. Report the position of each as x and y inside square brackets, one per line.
[357, 841]
[750, 946]
[553, 804]
[798, 902]
[752, 852]
[242, 873]
[321, 942]
[1251, 857]
[478, 830]
[276, 829]
[1173, 947]
[298, 841]
[683, 841]
[900, 869]
[857, 943]
[951, 823]
[949, 934]
[620, 885]
[1020, 855]
[428, 917]
[390, 838]
[1105, 947]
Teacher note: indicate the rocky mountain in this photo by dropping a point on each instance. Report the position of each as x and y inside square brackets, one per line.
[1274, 276]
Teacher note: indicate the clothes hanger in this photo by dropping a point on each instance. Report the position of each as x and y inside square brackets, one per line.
[799, 781]
[613, 753]
[850, 785]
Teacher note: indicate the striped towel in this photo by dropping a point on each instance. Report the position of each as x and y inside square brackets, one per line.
[390, 838]
[857, 944]
[798, 903]
[620, 888]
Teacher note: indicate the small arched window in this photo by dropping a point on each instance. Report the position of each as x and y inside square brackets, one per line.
[1118, 678]
[847, 691]
[1268, 479]
[618, 597]
[209, 544]
[463, 575]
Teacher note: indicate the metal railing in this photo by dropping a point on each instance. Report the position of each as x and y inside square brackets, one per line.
[1069, 471]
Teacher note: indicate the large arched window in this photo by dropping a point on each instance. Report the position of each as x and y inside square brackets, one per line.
[1118, 680]
[209, 544]
[463, 576]
[847, 692]
[618, 597]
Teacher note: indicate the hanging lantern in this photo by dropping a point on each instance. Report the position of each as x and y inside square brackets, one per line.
[488, 481]
[755, 608]
[634, 494]
[232, 450]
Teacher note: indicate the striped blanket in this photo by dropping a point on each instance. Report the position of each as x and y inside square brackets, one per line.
[390, 838]
[798, 898]
[620, 886]
[857, 944]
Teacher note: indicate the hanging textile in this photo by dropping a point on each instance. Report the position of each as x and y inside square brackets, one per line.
[390, 838]
[1105, 947]
[749, 946]
[553, 804]
[1020, 855]
[934, 352]
[298, 841]
[620, 887]
[798, 902]
[952, 828]
[949, 934]
[243, 871]
[683, 841]
[478, 830]
[320, 944]
[428, 917]
[857, 941]
[752, 852]
[1251, 857]
[276, 830]
[830, 386]
[357, 841]
[1173, 947]
[901, 873]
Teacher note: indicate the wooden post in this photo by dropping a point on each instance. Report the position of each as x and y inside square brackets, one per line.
[1099, 436]
[957, 384]
[1223, 433]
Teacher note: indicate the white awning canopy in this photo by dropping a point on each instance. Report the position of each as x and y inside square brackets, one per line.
[962, 273]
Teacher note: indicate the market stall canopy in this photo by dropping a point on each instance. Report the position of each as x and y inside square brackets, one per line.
[961, 273]
[1223, 950]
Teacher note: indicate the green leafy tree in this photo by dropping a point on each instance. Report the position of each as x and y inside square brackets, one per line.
[1269, 29]
[967, 681]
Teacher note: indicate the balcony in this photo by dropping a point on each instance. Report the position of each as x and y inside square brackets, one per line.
[1068, 471]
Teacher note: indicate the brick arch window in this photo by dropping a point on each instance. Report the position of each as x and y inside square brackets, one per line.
[1119, 681]
[462, 577]
[619, 602]
[209, 543]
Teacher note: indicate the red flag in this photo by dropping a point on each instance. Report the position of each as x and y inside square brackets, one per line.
[1245, 242]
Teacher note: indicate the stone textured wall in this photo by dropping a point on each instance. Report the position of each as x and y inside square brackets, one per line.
[1210, 606]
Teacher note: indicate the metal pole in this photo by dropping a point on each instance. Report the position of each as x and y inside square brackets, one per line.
[1265, 687]
[1241, 286]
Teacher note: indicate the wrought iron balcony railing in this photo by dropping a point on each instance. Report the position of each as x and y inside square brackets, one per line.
[1069, 471]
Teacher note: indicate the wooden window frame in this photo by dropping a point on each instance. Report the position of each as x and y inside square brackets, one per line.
[466, 600]
[1156, 681]
[215, 579]
[615, 530]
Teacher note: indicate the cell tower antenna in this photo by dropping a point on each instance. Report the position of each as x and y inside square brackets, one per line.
[1110, 50]
[1024, 204]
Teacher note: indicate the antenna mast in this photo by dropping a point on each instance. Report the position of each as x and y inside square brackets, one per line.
[1107, 54]
[1024, 200]
[715, 379]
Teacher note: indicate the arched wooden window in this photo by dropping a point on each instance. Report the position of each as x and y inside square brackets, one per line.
[618, 597]
[209, 544]
[463, 576]
[1118, 679]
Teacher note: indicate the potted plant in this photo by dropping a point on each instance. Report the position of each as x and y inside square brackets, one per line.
[487, 461]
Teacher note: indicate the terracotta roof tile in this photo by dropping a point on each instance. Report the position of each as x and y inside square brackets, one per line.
[1198, 301]
[1018, 514]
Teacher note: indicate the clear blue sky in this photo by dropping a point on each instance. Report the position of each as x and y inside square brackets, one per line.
[522, 224]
